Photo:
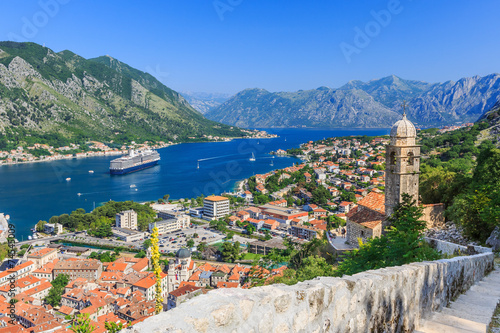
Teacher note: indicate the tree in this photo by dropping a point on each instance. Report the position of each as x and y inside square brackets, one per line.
[82, 324]
[230, 251]
[57, 290]
[155, 257]
[146, 244]
[166, 197]
[250, 229]
[140, 254]
[113, 327]
[190, 243]
[40, 226]
[230, 235]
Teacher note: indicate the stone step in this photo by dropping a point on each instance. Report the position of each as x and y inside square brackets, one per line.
[477, 299]
[469, 315]
[458, 322]
[484, 290]
[436, 327]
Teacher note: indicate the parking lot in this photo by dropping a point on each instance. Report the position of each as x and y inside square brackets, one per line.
[174, 241]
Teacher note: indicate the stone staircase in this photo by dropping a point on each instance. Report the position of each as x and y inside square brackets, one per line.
[471, 312]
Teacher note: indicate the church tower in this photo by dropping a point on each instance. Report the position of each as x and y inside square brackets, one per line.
[402, 164]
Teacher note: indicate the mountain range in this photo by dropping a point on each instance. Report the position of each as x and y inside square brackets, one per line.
[44, 93]
[203, 101]
[376, 103]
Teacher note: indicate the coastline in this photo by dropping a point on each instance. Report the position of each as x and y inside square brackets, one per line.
[118, 152]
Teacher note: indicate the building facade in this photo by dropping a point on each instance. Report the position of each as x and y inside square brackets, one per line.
[88, 269]
[127, 219]
[215, 207]
[42, 257]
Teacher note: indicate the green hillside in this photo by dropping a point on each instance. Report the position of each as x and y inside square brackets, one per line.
[62, 96]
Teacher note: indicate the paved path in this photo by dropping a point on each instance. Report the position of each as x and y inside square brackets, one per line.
[471, 312]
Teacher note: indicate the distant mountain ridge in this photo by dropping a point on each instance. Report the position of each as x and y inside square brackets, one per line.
[63, 94]
[204, 102]
[376, 103]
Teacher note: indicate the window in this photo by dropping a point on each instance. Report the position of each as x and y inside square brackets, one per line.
[410, 158]
[393, 158]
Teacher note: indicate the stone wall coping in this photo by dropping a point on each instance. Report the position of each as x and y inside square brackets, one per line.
[387, 299]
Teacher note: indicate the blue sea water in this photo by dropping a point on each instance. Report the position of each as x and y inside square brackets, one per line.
[37, 191]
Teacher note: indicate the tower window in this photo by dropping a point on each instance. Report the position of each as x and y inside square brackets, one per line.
[410, 158]
[393, 158]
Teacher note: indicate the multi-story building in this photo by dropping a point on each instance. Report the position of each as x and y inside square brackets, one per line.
[147, 286]
[215, 207]
[43, 256]
[88, 269]
[168, 225]
[127, 219]
[306, 232]
[184, 219]
[172, 221]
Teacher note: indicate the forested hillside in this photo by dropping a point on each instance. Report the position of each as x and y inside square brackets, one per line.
[462, 169]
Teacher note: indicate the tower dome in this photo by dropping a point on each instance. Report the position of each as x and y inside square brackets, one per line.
[403, 132]
[183, 254]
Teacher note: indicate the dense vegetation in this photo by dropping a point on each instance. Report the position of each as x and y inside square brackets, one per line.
[465, 177]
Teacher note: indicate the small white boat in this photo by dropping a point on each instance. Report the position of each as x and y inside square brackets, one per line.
[35, 237]
[30, 238]
[132, 186]
[7, 217]
[91, 171]
[79, 194]
[252, 158]
[68, 179]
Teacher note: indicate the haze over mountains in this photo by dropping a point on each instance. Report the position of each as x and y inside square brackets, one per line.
[62, 93]
[203, 101]
[376, 103]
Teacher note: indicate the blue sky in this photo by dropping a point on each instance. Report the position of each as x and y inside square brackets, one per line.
[229, 45]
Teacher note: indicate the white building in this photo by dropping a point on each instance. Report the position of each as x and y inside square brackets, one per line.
[169, 225]
[128, 235]
[215, 207]
[53, 228]
[127, 219]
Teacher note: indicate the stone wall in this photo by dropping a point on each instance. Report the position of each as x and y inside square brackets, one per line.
[434, 215]
[392, 299]
[453, 249]
[356, 230]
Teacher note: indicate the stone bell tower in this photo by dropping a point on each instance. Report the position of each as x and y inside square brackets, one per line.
[402, 164]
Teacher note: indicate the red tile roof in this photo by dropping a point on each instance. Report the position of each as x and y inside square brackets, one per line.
[374, 201]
